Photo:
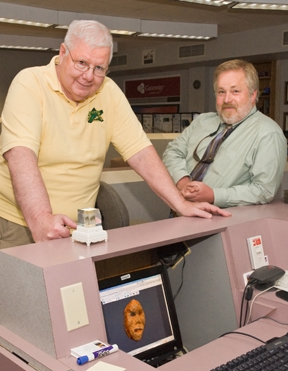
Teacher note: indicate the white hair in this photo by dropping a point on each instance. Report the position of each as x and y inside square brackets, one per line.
[93, 33]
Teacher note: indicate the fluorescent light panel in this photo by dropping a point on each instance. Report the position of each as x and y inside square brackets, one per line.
[208, 2]
[248, 4]
[122, 32]
[174, 36]
[257, 5]
[25, 23]
[272, 2]
[22, 47]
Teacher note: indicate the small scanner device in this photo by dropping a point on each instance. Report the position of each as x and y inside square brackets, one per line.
[266, 274]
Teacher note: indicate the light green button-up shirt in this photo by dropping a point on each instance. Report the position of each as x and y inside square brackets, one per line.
[248, 167]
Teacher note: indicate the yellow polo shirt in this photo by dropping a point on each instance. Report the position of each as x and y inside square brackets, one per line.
[70, 150]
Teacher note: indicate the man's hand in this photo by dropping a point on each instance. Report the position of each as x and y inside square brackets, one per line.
[198, 192]
[195, 191]
[201, 209]
[201, 197]
[50, 227]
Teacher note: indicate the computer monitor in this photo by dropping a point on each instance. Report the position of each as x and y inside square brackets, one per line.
[142, 299]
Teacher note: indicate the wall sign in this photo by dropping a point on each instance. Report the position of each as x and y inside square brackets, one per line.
[167, 87]
[148, 56]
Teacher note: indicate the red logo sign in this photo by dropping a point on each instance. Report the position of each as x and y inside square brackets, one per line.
[162, 87]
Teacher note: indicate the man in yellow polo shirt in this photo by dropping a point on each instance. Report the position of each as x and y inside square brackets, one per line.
[58, 122]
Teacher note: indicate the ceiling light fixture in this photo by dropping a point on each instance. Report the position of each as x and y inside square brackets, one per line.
[62, 27]
[248, 4]
[262, 5]
[122, 32]
[22, 47]
[208, 2]
[25, 23]
[174, 36]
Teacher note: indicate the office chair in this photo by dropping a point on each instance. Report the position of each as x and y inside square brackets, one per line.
[113, 210]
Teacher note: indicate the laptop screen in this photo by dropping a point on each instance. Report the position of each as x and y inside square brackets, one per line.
[140, 315]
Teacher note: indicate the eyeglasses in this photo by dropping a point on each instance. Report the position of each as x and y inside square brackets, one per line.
[213, 146]
[83, 67]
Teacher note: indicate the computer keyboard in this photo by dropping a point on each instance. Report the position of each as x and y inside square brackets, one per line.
[269, 357]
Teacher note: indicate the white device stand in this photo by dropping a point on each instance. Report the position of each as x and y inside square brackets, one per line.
[89, 234]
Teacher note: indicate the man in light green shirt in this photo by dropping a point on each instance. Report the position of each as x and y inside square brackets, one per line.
[248, 166]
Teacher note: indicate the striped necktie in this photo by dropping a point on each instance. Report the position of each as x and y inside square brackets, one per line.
[200, 169]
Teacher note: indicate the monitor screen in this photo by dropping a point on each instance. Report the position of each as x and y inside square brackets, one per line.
[140, 315]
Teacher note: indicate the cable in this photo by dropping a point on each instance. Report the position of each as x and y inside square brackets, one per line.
[242, 305]
[253, 300]
[254, 337]
[246, 312]
[242, 333]
[182, 278]
[247, 294]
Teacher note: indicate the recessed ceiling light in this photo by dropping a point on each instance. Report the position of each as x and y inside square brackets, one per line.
[123, 32]
[208, 2]
[146, 34]
[62, 27]
[22, 47]
[25, 23]
[259, 6]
